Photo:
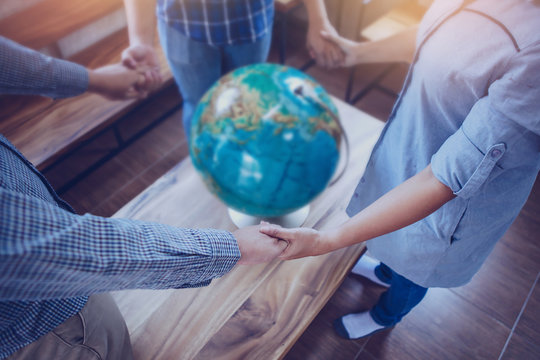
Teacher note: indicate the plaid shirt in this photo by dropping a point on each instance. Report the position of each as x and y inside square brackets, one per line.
[51, 259]
[219, 22]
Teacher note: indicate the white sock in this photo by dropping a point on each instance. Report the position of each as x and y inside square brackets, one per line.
[360, 325]
[365, 266]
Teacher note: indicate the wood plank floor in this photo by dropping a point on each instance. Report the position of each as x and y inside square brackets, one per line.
[496, 316]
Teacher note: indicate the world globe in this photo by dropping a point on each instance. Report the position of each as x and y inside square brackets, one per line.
[265, 138]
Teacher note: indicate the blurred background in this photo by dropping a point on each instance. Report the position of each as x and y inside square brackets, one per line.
[496, 316]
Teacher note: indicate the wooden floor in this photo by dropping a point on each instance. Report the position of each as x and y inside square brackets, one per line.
[495, 316]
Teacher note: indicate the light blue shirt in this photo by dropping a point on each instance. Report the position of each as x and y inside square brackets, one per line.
[470, 106]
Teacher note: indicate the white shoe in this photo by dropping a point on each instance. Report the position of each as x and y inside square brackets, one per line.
[365, 266]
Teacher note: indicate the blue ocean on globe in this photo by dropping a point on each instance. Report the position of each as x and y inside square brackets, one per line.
[264, 139]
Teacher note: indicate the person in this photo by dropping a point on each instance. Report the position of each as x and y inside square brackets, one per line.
[56, 266]
[203, 40]
[455, 162]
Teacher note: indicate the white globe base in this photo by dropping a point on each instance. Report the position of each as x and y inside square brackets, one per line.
[291, 220]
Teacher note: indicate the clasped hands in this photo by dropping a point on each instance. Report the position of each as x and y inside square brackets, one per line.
[265, 242]
[134, 78]
[138, 74]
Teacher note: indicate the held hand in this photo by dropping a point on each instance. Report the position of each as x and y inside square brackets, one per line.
[327, 53]
[116, 82]
[257, 248]
[346, 46]
[137, 57]
[302, 241]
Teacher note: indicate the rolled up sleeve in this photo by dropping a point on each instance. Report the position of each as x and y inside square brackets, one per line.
[464, 171]
[497, 125]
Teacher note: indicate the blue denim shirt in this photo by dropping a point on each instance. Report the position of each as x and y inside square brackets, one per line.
[470, 107]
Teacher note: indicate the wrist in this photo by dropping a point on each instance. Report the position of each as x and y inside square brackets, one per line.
[365, 52]
[329, 240]
[141, 41]
[94, 81]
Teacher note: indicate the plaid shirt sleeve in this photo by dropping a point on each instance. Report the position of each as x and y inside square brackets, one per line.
[25, 71]
[71, 255]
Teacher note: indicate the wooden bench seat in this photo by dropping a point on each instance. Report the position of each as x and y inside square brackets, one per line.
[46, 22]
[45, 129]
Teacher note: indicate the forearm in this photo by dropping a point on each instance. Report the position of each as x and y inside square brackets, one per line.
[396, 48]
[28, 72]
[141, 21]
[79, 255]
[316, 10]
[407, 203]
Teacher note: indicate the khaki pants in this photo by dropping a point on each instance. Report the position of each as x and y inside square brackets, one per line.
[98, 331]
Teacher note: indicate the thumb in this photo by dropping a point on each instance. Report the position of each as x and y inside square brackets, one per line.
[283, 244]
[326, 35]
[275, 231]
[336, 39]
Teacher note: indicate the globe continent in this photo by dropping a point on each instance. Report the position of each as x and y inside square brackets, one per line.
[264, 140]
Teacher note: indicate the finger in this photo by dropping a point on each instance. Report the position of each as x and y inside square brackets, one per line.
[311, 52]
[154, 84]
[129, 62]
[283, 245]
[333, 38]
[274, 231]
[285, 255]
[158, 78]
[138, 54]
[132, 93]
[331, 56]
[337, 56]
[149, 82]
[270, 224]
[336, 40]
[141, 79]
[327, 36]
[326, 59]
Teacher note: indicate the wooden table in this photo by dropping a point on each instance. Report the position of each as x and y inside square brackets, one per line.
[253, 312]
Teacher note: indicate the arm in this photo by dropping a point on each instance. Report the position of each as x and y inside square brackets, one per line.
[325, 52]
[28, 72]
[396, 48]
[25, 72]
[142, 22]
[407, 203]
[47, 252]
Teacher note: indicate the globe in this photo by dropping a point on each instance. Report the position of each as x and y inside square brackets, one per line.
[265, 138]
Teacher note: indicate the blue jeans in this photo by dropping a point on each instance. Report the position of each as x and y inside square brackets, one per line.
[398, 300]
[196, 65]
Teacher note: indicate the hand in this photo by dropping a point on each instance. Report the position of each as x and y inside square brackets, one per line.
[116, 82]
[257, 248]
[347, 47]
[326, 53]
[301, 241]
[137, 57]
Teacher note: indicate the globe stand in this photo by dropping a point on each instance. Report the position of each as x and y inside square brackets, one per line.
[291, 220]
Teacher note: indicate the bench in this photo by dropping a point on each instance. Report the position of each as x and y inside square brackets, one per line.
[89, 32]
